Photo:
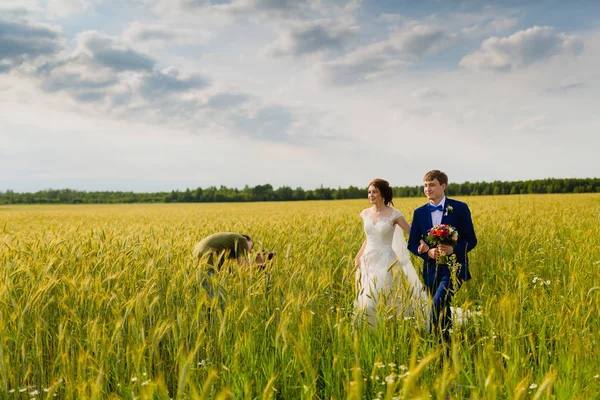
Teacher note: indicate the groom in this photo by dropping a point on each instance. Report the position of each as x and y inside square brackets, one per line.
[437, 277]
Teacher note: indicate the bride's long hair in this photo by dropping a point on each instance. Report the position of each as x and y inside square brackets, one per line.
[385, 189]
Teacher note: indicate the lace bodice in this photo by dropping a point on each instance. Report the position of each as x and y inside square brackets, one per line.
[379, 233]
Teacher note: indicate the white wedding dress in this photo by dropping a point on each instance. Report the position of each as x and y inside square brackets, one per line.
[386, 279]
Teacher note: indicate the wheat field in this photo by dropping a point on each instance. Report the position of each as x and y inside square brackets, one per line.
[106, 301]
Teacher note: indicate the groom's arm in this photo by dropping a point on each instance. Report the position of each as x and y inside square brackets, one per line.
[467, 238]
[414, 239]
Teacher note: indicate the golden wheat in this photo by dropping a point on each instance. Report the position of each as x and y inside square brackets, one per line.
[106, 301]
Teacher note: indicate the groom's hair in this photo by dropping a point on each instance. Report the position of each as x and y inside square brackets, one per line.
[436, 174]
[384, 188]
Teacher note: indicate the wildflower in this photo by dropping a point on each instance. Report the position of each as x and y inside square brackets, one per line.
[22, 390]
[134, 379]
[146, 382]
[535, 279]
[393, 365]
[595, 377]
[352, 383]
[403, 367]
[548, 282]
[34, 393]
[533, 386]
[390, 378]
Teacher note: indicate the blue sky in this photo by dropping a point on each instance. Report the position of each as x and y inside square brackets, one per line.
[156, 95]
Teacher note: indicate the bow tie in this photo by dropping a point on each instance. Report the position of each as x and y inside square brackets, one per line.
[433, 208]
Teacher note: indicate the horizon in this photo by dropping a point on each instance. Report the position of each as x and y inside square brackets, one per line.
[167, 95]
[292, 187]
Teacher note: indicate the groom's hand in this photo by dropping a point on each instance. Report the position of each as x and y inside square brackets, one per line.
[423, 247]
[446, 248]
[433, 253]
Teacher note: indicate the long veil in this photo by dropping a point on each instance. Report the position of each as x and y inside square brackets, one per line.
[417, 293]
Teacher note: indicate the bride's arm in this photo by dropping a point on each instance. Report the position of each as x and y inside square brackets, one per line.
[402, 223]
[359, 255]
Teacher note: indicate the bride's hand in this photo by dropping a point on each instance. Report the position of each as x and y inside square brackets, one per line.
[423, 247]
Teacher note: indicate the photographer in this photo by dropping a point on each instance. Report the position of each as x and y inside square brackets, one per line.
[214, 250]
[218, 247]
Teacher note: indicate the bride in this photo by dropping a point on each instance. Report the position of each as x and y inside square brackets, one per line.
[385, 276]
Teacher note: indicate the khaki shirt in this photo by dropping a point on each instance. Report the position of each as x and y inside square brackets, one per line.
[220, 246]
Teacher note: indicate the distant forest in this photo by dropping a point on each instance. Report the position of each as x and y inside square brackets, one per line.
[285, 193]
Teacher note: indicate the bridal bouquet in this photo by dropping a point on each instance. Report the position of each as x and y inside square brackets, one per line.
[442, 234]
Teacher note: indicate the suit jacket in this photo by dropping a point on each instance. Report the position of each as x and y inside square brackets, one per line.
[459, 218]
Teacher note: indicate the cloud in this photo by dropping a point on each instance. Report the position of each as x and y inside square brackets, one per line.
[227, 100]
[245, 8]
[522, 49]
[534, 123]
[390, 18]
[22, 41]
[363, 65]
[270, 123]
[502, 24]
[109, 52]
[387, 57]
[277, 8]
[157, 84]
[158, 35]
[98, 63]
[76, 81]
[565, 88]
[138, 32]
[311, 37]
[19, 9]
[121, 81]
[64, 8]
[421, 39]
[426, 93]
[89, 97]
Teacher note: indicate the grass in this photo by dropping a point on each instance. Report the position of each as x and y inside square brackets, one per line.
[105, 301]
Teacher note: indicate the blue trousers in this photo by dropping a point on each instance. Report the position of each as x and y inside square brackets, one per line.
[441, 313]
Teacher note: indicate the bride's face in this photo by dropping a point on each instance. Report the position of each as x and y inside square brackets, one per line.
[374, 195]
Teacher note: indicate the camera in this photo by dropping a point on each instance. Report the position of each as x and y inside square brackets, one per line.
[268, 254]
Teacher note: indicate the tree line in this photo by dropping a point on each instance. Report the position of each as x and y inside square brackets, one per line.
[285, 193]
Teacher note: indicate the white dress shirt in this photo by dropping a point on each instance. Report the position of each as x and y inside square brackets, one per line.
[436, 216]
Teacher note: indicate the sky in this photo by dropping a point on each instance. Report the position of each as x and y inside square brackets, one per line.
[161, 95]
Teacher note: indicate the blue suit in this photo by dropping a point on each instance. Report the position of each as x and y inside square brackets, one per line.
[437, 278]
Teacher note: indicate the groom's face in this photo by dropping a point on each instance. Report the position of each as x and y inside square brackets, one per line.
[433, 190]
